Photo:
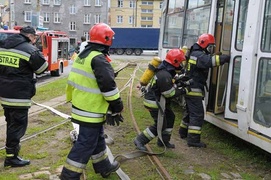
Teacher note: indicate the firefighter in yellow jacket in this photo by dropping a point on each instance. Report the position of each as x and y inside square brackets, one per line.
[93, 92]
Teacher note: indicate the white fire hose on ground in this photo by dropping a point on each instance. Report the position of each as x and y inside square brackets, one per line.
[120, 173]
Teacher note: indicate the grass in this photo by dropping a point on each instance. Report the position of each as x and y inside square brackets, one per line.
[51, 90]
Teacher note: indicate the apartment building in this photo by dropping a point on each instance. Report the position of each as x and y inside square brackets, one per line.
[135, 13]
[75, 17]
[4, 12]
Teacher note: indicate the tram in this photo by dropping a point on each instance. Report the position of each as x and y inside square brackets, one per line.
[238, 99]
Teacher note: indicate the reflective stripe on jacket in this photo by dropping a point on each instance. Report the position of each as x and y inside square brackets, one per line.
[83, 90]
[198, 68]
[19, 60]
[160, 85]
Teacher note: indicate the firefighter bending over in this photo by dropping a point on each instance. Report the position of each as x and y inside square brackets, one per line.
[19, 60]
[201, 59]
[92, 90]
[162, 86]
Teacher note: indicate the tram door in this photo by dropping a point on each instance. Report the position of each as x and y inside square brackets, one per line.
[223, 31]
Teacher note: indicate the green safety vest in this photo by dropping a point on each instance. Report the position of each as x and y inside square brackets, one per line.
[82, 89]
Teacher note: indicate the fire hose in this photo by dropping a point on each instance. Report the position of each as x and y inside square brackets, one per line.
[126, 156]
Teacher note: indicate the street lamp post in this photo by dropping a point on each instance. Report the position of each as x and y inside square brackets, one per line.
[136, 13]
[11, 14]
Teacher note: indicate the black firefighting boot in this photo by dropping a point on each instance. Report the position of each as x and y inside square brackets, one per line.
[193, 140]
[140, 142]
[12, 158]
[166, 139]
[183, 130]
[113, 167]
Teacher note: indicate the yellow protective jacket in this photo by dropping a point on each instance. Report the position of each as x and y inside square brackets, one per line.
[90, 98]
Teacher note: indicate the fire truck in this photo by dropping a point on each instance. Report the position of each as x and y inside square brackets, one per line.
[53, 44]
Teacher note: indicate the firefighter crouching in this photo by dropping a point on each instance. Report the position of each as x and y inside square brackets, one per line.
[201, 58]
[162, 86]
[92, 90]
[19, 60]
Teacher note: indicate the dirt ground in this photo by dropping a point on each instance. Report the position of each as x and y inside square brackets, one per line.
[50, 149]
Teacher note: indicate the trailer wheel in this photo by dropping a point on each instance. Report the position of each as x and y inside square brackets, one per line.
[129, 51]
[111, 51]
[138, 52]
[119, 51]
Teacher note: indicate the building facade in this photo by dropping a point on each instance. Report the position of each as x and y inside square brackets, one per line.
[75, 17]
[135, 13]
[4, 12]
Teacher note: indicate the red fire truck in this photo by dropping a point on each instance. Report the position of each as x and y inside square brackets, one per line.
[53, 44]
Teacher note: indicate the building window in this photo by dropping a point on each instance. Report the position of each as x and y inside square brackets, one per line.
[146, 26]
[146, 18]
[56, 18]
[132, 3]
[72, 26]
[27, 16]
[86, 2]
[57, 2]
[46, 17]
[45, 2]
[161, 5]
[119, 19]
[72, 9]
[97, 18]
[147, 2]
[86, 34]
[131, 20]
[27, 1]
[97, 2]
[87, 19]
[120, 3]
[146, 10]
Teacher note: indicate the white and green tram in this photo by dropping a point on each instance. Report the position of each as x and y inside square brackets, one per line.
[239, 93]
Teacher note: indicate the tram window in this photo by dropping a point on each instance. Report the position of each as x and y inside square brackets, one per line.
[196, 23]
[197, 3]
[235, 84]
[175, 6]
[242, 17]
[227, 25]
[266, 39]
[262, 113]
[173, 24]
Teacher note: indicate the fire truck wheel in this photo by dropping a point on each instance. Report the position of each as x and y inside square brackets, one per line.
[57, 72]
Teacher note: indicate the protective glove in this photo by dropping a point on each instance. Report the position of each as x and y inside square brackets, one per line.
[180, 84]
[218, 53]
[224, 59]
[183, 90]
[112, 119]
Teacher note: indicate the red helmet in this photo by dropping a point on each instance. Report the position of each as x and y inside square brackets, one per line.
[101, 34]
[205, 40]
[175, 57]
